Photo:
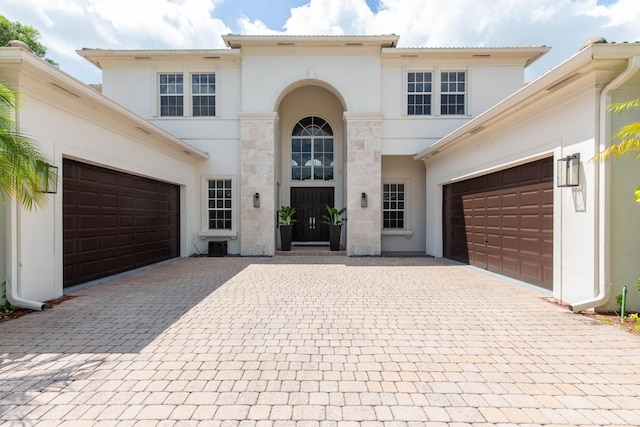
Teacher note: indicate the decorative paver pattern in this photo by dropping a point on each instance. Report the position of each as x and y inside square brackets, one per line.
[318, 342]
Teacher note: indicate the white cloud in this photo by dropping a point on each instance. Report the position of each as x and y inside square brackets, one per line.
[67, 25]
[330, 17]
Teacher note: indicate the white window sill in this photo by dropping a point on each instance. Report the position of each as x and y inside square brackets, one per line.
[229, 234]
[405, 233]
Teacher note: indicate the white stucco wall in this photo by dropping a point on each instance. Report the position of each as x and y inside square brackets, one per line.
[64, 127]
[625, 217]
[354, 74]
[406, 170]
[564, 126]
[403, 134]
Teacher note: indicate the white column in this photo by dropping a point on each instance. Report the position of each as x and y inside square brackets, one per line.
[257, 176]
[364, 175]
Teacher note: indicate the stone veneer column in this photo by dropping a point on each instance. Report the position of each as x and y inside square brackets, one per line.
[257, 175]
[364, 175]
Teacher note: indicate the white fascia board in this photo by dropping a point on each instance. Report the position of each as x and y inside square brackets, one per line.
[64, 82]
[526, 55]
[96, 56]
[539, 88]
[236, 41]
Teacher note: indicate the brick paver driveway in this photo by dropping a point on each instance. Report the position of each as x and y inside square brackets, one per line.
[324, 341]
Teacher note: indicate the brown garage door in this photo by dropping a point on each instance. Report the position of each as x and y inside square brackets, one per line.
[503, 222]
[115, 222]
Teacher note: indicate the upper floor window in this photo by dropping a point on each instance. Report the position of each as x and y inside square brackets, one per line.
[312, 150]
[171, 95]
[452, 92]
[419, 90]
[203, 91]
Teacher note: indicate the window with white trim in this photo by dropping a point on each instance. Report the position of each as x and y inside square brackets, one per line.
[452, 92]
[203, 92]
[394, 205]
[312, 150]
[220, 204]
[171, 95]
[419, 91]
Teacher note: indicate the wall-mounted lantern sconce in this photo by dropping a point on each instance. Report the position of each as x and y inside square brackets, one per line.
[363, 200]
[49, 179]
[569, 171]
[256, 200]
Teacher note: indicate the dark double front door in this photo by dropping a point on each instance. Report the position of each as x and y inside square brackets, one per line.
[310, 205]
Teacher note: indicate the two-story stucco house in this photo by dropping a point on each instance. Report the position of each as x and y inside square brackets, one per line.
[442, 151]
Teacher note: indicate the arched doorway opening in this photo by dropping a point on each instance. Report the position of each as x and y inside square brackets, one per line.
[312, 159]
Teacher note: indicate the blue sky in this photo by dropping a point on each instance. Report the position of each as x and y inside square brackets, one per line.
[273, 13]
[68, 25]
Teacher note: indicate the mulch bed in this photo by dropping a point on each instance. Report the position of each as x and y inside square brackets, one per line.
[19, 312]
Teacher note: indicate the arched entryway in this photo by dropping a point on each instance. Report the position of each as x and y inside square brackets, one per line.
[312, 161]
[312, 172]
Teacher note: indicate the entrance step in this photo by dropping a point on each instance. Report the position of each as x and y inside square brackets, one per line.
[311, 251]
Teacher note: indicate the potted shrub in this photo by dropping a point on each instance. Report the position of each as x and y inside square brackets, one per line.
[334, 220]
[286, 226]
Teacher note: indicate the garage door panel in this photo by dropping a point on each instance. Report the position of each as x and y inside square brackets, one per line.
[530, 199]
[509, 243]
[509, 200]
[530, 246]
[531, 222]
[531, 270]
[86, 198]
[112, 222]
[513, 236]
[510, 266]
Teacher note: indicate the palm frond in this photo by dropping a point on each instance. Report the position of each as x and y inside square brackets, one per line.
[620, 107]
[23, 168]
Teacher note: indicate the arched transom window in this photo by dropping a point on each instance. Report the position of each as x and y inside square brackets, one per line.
[312, 150]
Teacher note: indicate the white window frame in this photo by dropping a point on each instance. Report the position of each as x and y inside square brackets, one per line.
[407, 93]
[187, 95]
[436, 73]
[235, 207]
[464, 94]
[214, 94]
[406, 230]
[161, 95]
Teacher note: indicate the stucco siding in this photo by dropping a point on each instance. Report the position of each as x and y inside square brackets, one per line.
[86, 135]
[406, 170]
[551, 131]
[625, 218]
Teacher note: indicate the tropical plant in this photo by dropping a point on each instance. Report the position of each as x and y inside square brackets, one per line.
[286, 215]
[24, 170]
[629, 137]
[335, 217]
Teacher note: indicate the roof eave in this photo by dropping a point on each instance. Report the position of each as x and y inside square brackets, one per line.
[237, 41]
[559, 75]
[66, 83]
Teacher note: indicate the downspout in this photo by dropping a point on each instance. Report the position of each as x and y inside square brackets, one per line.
[602, 195]
[13, 237]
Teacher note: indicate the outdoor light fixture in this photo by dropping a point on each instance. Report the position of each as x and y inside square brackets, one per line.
[49, 179]
[256, 200]
[363, 200]
[569, 171]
